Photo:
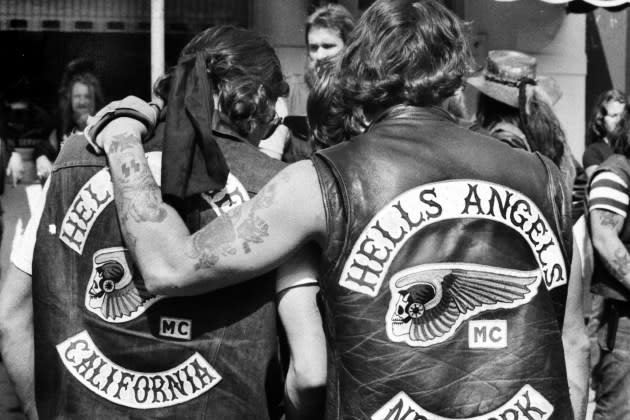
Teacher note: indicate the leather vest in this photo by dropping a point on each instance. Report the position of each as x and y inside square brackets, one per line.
[106, 348]
[603, 283]
[442, 248]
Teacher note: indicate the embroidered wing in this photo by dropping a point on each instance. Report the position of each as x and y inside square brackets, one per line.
[460, 292]
[124, 301]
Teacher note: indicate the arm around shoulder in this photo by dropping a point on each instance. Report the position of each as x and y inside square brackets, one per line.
[242, 244]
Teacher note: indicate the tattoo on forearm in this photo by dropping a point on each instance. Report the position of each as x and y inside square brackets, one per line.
[231, 232]
[607, 218]
[139, 197]
[620, 264]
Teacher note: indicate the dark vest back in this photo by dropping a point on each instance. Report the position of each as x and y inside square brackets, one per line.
[105, 347]
[443, 246]
[603, 283]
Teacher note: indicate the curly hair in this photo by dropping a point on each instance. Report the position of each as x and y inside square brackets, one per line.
[331, 16]
[243, 68]
[596, 126]
[404, 52]
[325, 111]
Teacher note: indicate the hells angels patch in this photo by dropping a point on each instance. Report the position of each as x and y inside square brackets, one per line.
[430, 301]
[408, 214]
[91, 200]
[111, 293]
[527, 404]
[141, 390]
[88, 204]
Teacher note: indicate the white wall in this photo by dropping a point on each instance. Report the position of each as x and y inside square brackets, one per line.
[282, 22]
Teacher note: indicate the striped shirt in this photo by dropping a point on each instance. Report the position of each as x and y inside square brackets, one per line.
[609, 192]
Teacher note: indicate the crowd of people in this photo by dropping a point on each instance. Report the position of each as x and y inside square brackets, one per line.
[346, 246]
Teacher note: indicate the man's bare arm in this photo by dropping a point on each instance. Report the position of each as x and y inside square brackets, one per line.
[16, 335]
[305, 385]
[246, 242]
[605, 229]
[575, 340]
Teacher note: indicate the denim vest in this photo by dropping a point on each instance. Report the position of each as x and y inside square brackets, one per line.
[443, 247]
[106, 348]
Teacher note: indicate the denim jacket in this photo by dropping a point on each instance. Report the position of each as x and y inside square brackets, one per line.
[105, 347]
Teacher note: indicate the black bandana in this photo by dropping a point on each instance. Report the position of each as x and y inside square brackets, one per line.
[191, 160]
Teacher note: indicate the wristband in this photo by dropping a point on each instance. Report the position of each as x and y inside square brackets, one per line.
[91, 132]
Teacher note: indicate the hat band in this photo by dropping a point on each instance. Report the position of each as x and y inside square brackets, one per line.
[502, 81]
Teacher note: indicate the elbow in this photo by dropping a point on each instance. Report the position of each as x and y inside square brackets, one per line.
[162, 280]
[308, 376]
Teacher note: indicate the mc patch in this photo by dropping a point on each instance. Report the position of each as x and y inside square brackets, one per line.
[527, 404]
[111, 293]
[430, 301]
[176, 328]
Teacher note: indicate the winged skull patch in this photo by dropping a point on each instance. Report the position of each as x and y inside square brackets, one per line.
[111, 292]
[429, 302]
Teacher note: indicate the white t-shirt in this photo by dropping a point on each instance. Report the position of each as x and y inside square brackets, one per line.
[22, 251]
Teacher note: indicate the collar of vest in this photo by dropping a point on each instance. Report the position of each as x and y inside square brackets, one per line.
[414, 112]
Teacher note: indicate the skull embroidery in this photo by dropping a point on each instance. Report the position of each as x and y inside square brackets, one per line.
[430, 302]
[111, 293]
[411, 305]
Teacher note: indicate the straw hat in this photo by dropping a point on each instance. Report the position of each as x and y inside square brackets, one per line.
[503, 72]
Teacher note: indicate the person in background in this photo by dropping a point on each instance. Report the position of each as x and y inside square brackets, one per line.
[80, 95]
[396, 305]
[326, 32]
[608, 198]
[514, 105]
[607, 127]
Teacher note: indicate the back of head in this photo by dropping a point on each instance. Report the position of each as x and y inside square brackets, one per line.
[244, 70]
[331, 16]
[404, 52]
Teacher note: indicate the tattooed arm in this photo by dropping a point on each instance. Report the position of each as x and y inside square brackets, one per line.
[605, 229]
[256, 237]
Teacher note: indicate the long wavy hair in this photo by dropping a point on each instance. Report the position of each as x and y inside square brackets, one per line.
[404, 52]
[82, 71]
[596, 126]
[536, 120]
[326, 111]
[245, 71]
[401, 52]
